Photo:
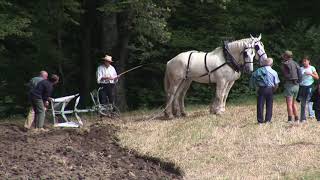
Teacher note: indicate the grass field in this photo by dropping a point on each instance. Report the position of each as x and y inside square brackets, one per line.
[231, 146]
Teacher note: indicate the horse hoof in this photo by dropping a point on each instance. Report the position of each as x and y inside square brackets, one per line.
[168, 116]
[177, 115]
[219, 112]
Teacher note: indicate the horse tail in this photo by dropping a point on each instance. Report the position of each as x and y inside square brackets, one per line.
[169, 98]
[166, 81]
[169, 101]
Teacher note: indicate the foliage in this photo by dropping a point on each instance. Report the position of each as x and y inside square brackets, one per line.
[12, 23]
[36, 35]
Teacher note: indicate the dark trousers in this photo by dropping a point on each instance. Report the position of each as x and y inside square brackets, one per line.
[106, 95]
[40, 111]
[305, 93]
[317, 112]
[265, 96]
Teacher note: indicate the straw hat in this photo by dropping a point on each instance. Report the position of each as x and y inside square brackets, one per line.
[287, 53]
[107, 58]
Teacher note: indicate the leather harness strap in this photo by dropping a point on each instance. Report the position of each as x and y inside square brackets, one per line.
[188, 66]
[206, 66]
[230, 60]
[213, 70]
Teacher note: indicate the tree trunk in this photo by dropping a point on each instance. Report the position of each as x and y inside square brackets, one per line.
[87, 24]
[60, 63]
[122, 54]
[109, 33]
[114, 41]
[121, 51]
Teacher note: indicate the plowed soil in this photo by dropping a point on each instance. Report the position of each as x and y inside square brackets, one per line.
[90, 153]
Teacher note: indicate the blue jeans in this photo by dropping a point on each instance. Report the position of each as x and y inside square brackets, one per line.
[310, 110]
[305, 101]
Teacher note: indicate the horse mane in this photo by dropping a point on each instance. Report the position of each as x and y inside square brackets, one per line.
[239, 44]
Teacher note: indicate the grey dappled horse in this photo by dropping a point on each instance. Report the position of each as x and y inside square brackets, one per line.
[222, 66]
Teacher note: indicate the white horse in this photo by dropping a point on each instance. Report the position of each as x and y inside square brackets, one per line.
[212, 67]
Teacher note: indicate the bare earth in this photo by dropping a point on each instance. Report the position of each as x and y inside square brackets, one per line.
[91, 153]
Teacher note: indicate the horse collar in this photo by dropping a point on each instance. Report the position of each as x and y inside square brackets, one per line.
[230, 59]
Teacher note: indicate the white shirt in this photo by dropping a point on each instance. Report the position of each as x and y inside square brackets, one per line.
[104, 71]
[307, 80]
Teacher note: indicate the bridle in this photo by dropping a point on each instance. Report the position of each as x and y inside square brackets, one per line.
[245, 54]
[257, 48]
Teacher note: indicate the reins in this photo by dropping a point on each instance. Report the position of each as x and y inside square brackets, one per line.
[136, 67]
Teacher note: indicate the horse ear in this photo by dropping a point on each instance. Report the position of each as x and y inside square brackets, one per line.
[259, 37]
[251, 37]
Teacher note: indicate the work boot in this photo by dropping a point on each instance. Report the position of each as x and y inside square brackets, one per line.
[43, 130]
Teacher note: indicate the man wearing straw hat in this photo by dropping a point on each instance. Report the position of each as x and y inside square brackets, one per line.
[106, 78]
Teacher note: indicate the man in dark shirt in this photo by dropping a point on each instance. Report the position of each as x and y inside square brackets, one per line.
[40, 96]
[32, 84]
[292, 76]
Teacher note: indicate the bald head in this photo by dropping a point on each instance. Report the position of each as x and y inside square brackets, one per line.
[267, 62]
[43, 74]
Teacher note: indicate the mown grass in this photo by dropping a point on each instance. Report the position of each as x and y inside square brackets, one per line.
[231, 146]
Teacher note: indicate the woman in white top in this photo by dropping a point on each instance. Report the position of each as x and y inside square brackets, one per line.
[106, 78]
[309, 73]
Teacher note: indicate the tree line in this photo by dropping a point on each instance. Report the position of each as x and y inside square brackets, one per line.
[68, 37]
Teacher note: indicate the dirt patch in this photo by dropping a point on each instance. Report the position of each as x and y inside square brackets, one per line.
[91, 153]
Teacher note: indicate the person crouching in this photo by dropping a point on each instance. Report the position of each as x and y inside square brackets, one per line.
[266, 80]
[40, 96]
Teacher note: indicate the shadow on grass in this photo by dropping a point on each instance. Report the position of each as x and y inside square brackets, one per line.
[167, 166]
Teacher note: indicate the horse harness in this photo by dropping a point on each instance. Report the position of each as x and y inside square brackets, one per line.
[257, 48]
[230, 60]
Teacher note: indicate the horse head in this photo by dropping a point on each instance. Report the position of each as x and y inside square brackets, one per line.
[248, 56]
[259, 47]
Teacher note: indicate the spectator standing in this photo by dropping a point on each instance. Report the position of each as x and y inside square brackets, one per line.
[266, 80]
[316, 102]
[309, 73]
[292, 77]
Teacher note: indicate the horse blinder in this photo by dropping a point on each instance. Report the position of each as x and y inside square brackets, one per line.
[256, 47]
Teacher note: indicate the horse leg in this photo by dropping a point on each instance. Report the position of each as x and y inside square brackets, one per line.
[229, 86]
[218, 100]
[182, 95]
[176, 106]
[169, 96]
[172, 91]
